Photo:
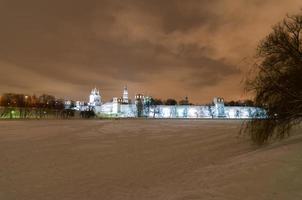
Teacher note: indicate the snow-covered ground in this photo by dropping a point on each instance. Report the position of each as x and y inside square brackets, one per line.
[143, 159]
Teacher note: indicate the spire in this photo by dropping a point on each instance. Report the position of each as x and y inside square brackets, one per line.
[125, 95]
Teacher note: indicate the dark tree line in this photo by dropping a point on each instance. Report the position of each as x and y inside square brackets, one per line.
[169, 101]
[277, 82]
[246, 102]
[31, 101]
[32, 106]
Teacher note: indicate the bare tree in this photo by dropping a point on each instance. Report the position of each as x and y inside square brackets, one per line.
[277, 82]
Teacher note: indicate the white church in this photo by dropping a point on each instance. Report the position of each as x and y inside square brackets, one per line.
[95, 98]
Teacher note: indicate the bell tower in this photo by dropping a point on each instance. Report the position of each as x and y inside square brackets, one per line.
[125, 95]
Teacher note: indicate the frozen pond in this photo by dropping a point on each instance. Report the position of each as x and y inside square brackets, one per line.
[143, 159]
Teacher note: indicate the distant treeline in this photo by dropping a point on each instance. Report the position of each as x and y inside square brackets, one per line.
[170, 101]
[48, 106]
[21, 100]
[31, 106]
[51, 102]
[246, 102]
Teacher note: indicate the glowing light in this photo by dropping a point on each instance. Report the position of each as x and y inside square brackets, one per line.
[121, 108]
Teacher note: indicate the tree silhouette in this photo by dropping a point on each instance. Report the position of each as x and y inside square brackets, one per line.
[155, 102]
[171, 102]
[184, 101]
[277, 84]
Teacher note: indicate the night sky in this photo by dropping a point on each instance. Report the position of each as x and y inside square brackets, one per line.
[163, 48]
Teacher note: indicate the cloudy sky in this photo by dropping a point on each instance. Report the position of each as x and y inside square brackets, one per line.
[163, 48]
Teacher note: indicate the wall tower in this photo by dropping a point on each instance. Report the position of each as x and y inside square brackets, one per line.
[219, 107]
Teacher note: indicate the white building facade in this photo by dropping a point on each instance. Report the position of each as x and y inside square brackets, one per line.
[122, 108]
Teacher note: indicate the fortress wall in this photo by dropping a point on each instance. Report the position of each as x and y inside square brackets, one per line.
[128, 110]
[244, 112]
[164, 111]
[179, 111]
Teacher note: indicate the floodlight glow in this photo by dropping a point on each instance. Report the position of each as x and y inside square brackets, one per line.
[120, 107]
